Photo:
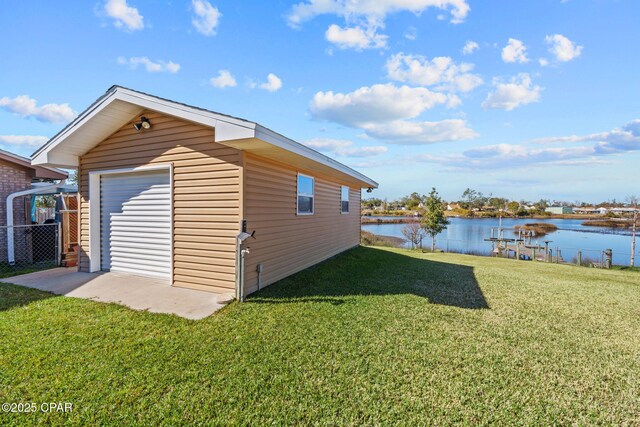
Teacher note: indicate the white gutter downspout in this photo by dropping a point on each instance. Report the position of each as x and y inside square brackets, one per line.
[11, 257]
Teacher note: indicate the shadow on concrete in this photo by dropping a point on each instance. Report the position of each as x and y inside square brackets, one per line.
[370, 271]
[136, 292]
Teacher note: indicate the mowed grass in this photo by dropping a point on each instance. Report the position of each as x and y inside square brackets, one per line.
[373, 337]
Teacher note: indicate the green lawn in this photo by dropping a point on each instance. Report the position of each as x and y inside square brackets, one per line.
[374, 337]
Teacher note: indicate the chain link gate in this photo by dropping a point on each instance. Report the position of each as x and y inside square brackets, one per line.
[26, 248]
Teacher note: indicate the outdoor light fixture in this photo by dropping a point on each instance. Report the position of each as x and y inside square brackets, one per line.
[143, 123]
[369, 190]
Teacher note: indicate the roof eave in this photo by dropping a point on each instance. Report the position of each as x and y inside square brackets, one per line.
[227, 129]
[276, 139]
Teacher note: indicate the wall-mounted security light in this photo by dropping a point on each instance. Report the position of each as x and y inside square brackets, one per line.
[369, 190]
[144, 123]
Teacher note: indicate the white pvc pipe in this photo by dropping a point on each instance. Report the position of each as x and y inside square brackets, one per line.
[11, 257]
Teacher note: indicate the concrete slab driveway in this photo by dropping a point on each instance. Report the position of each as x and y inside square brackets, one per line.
[136, 292]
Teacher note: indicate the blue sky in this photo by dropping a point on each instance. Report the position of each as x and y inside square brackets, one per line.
[542, 103]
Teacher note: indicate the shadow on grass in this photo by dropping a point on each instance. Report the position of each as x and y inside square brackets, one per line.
[12, 296]
[369, 271]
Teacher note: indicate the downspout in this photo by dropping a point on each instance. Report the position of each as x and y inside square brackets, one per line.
[11, 257]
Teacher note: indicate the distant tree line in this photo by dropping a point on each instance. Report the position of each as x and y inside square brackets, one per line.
[473, 202]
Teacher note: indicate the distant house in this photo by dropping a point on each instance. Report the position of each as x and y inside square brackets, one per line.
[622, 210]
[453, 206]
[559, 210]
[590, 210]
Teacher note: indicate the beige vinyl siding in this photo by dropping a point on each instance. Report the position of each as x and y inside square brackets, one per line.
[285, 242]
[206, 195]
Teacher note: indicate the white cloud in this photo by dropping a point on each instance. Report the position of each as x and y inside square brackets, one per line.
[344, 148]
[207, 17]
[509, 156]
[357, 37]
[515, 51]
[384, 112]
[23, 140]
[372, 11]
[124, 16]
[363, 18]
[507, 96]
[26, 106]
[562, 48]
[441, 72]
[224, 79]
[377, 103]
[618, 140]
[151, 66]
[469, 47]
[420, 132]
[543, 62]
[272, 84]
[615, 142]
[411, 33]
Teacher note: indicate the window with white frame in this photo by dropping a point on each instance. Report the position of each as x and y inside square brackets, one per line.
[344, 199]
[305, 194]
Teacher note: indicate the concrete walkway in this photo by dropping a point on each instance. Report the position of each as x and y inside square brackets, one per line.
[136, 292]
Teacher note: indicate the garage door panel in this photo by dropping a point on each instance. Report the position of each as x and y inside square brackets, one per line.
[139, 203]
[146, 205]
[136, 217]
[124, 195]
[137, 259]
[157, 245]
[136, 223]
[134, 269]
[142, 220]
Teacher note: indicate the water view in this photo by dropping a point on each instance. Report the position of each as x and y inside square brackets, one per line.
[466, 235]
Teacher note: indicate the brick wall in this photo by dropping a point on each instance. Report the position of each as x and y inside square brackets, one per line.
[12, 178]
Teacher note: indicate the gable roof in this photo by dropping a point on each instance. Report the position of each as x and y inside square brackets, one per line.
[119, 105]
[40, 172]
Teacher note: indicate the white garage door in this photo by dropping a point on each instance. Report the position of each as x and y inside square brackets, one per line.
[135, 223]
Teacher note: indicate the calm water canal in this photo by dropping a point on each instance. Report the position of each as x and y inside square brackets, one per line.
[466, 235]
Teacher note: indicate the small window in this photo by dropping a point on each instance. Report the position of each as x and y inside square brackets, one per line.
[305, 195]
[344, 199]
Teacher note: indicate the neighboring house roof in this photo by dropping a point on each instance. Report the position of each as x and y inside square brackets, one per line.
[40, 172]
[119, 105]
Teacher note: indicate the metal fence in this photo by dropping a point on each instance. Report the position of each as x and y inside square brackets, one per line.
[25, 248]
[43, 214]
